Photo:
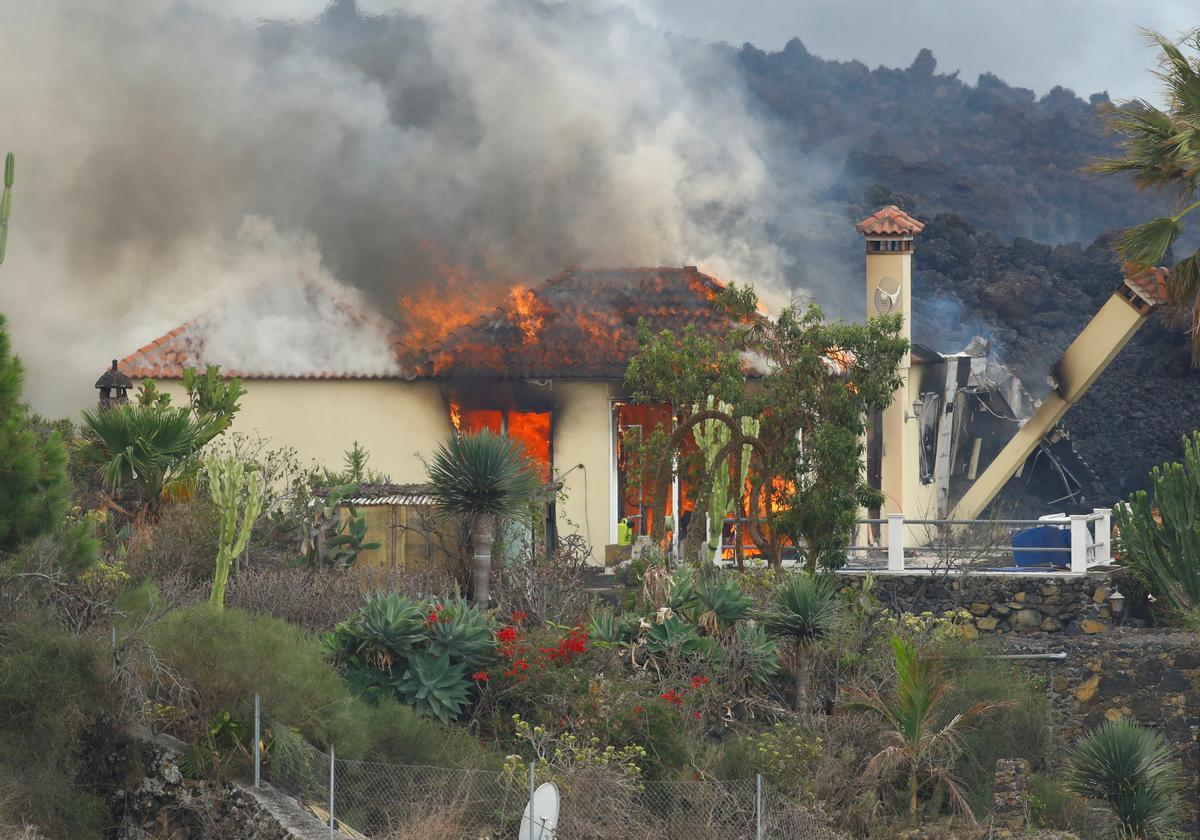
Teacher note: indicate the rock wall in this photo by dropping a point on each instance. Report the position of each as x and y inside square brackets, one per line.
[163, 803]
[1004, 603]
[1150, 676]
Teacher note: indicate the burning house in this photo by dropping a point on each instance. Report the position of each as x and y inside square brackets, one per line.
[547, 367]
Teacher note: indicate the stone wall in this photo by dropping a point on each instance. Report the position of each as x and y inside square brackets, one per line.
[1004, 603]
[1150, 676]
[161, 802]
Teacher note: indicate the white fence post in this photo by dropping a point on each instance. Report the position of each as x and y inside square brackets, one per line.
[758, 807]
[257, 741]
[1103, 535]
[1079, 546]
[895, 536]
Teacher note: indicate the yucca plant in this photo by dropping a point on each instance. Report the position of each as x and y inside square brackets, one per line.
[804, 610]
[150, 447]
[1133, 771]
[721, 603]
[434, 685]
[917, 743]
[673, 638]
[482, 477]
[1162, 152]
[464, 633]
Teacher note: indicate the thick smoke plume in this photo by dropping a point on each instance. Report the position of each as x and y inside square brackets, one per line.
[169, 160]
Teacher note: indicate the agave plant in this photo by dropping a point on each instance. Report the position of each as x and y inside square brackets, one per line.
[681, 592]
[435, 686]
[751, 656]
[482, 477]
[607, 628]
[673, 638]
[388, 630]
[916, 743]
[463, 633]
[1131, 770]
[721, 603]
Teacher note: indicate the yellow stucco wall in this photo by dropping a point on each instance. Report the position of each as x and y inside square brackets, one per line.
[322, 418]
[397, 420]
[583, 435]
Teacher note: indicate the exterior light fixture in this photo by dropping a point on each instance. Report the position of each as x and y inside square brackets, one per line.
[1116, 602]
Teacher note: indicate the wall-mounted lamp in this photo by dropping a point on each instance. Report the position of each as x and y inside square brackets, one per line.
[916, 406]
[1116, 602]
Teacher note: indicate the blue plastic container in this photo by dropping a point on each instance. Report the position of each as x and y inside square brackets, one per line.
[1043, 536]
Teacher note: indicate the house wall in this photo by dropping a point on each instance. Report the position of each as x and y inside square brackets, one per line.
[394, 421]
[583, 435]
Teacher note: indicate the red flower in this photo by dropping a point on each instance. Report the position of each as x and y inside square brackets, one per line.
[672, 696]
[435, 615]
[480, 676]
[697, 682]
[519, 616]
[638, 709]
[507, 634]
[697, 715]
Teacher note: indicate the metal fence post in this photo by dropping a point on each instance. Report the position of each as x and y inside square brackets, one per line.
[895, 537]
[257, 741]
[331, 788]
[758, 807]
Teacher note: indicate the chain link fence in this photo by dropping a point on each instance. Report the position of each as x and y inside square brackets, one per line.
[398, 802]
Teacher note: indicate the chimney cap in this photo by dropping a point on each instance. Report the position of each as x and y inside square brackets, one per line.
[889, 221]
[113, 378]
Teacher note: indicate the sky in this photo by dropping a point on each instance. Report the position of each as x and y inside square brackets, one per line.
[1085, 45]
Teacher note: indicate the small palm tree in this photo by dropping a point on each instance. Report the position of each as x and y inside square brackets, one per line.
[152, 447]
[916, 740]
[482, 477]
[1132, 771]
[804, 611]
[1162, 152]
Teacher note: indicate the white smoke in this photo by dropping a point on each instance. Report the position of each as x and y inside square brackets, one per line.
[509, 136]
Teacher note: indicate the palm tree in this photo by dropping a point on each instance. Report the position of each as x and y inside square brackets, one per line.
[1132, 771]
[482, 477]
[152, 447]
[915, 739]
[1162, 151]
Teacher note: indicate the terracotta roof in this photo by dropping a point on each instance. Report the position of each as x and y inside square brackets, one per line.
[580, 324]
[889, 221]
[1150, 284]
[191, 344]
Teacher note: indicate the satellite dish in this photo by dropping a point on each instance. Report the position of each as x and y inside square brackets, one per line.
[887, 295]
[541, 824]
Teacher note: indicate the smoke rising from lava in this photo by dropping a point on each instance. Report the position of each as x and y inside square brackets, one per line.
[169, 159]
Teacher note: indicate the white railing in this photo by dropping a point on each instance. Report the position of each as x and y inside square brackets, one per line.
[1090, 542]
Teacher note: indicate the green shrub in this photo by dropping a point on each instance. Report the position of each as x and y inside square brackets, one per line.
[463, 633]
[721, 603]
[52, 685]
[1134, 772]
[434, 686]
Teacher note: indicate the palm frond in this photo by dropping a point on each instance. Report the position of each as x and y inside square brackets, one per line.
[1147, 243]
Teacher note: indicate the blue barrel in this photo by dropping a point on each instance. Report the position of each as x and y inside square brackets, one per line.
[1042, 536]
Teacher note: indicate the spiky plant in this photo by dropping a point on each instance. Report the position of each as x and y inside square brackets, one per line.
[917, 743]
[804, 610]
[673, 638]
[606, 628]
[1133, 771]
[1162, 152]
[150, 447]
[681, 592]
[482, 477]
[721, 603]
[238, 497]
[388, 630]
[464, 633]
[752, 653]
[435, 686]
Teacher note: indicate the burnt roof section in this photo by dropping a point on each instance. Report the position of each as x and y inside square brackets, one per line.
[113, 378]
[581, 324]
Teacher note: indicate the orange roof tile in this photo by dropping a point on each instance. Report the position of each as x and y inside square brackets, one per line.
[889, 221]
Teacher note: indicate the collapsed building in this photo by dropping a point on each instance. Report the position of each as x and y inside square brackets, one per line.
[547, 367]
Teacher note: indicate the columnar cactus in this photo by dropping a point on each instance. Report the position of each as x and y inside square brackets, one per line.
[711, 437]
[230, 487]
[6, 201]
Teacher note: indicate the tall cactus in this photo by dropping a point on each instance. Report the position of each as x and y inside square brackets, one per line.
[231, 487]
[1160, 536]
[6, 201]
[711, 437]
